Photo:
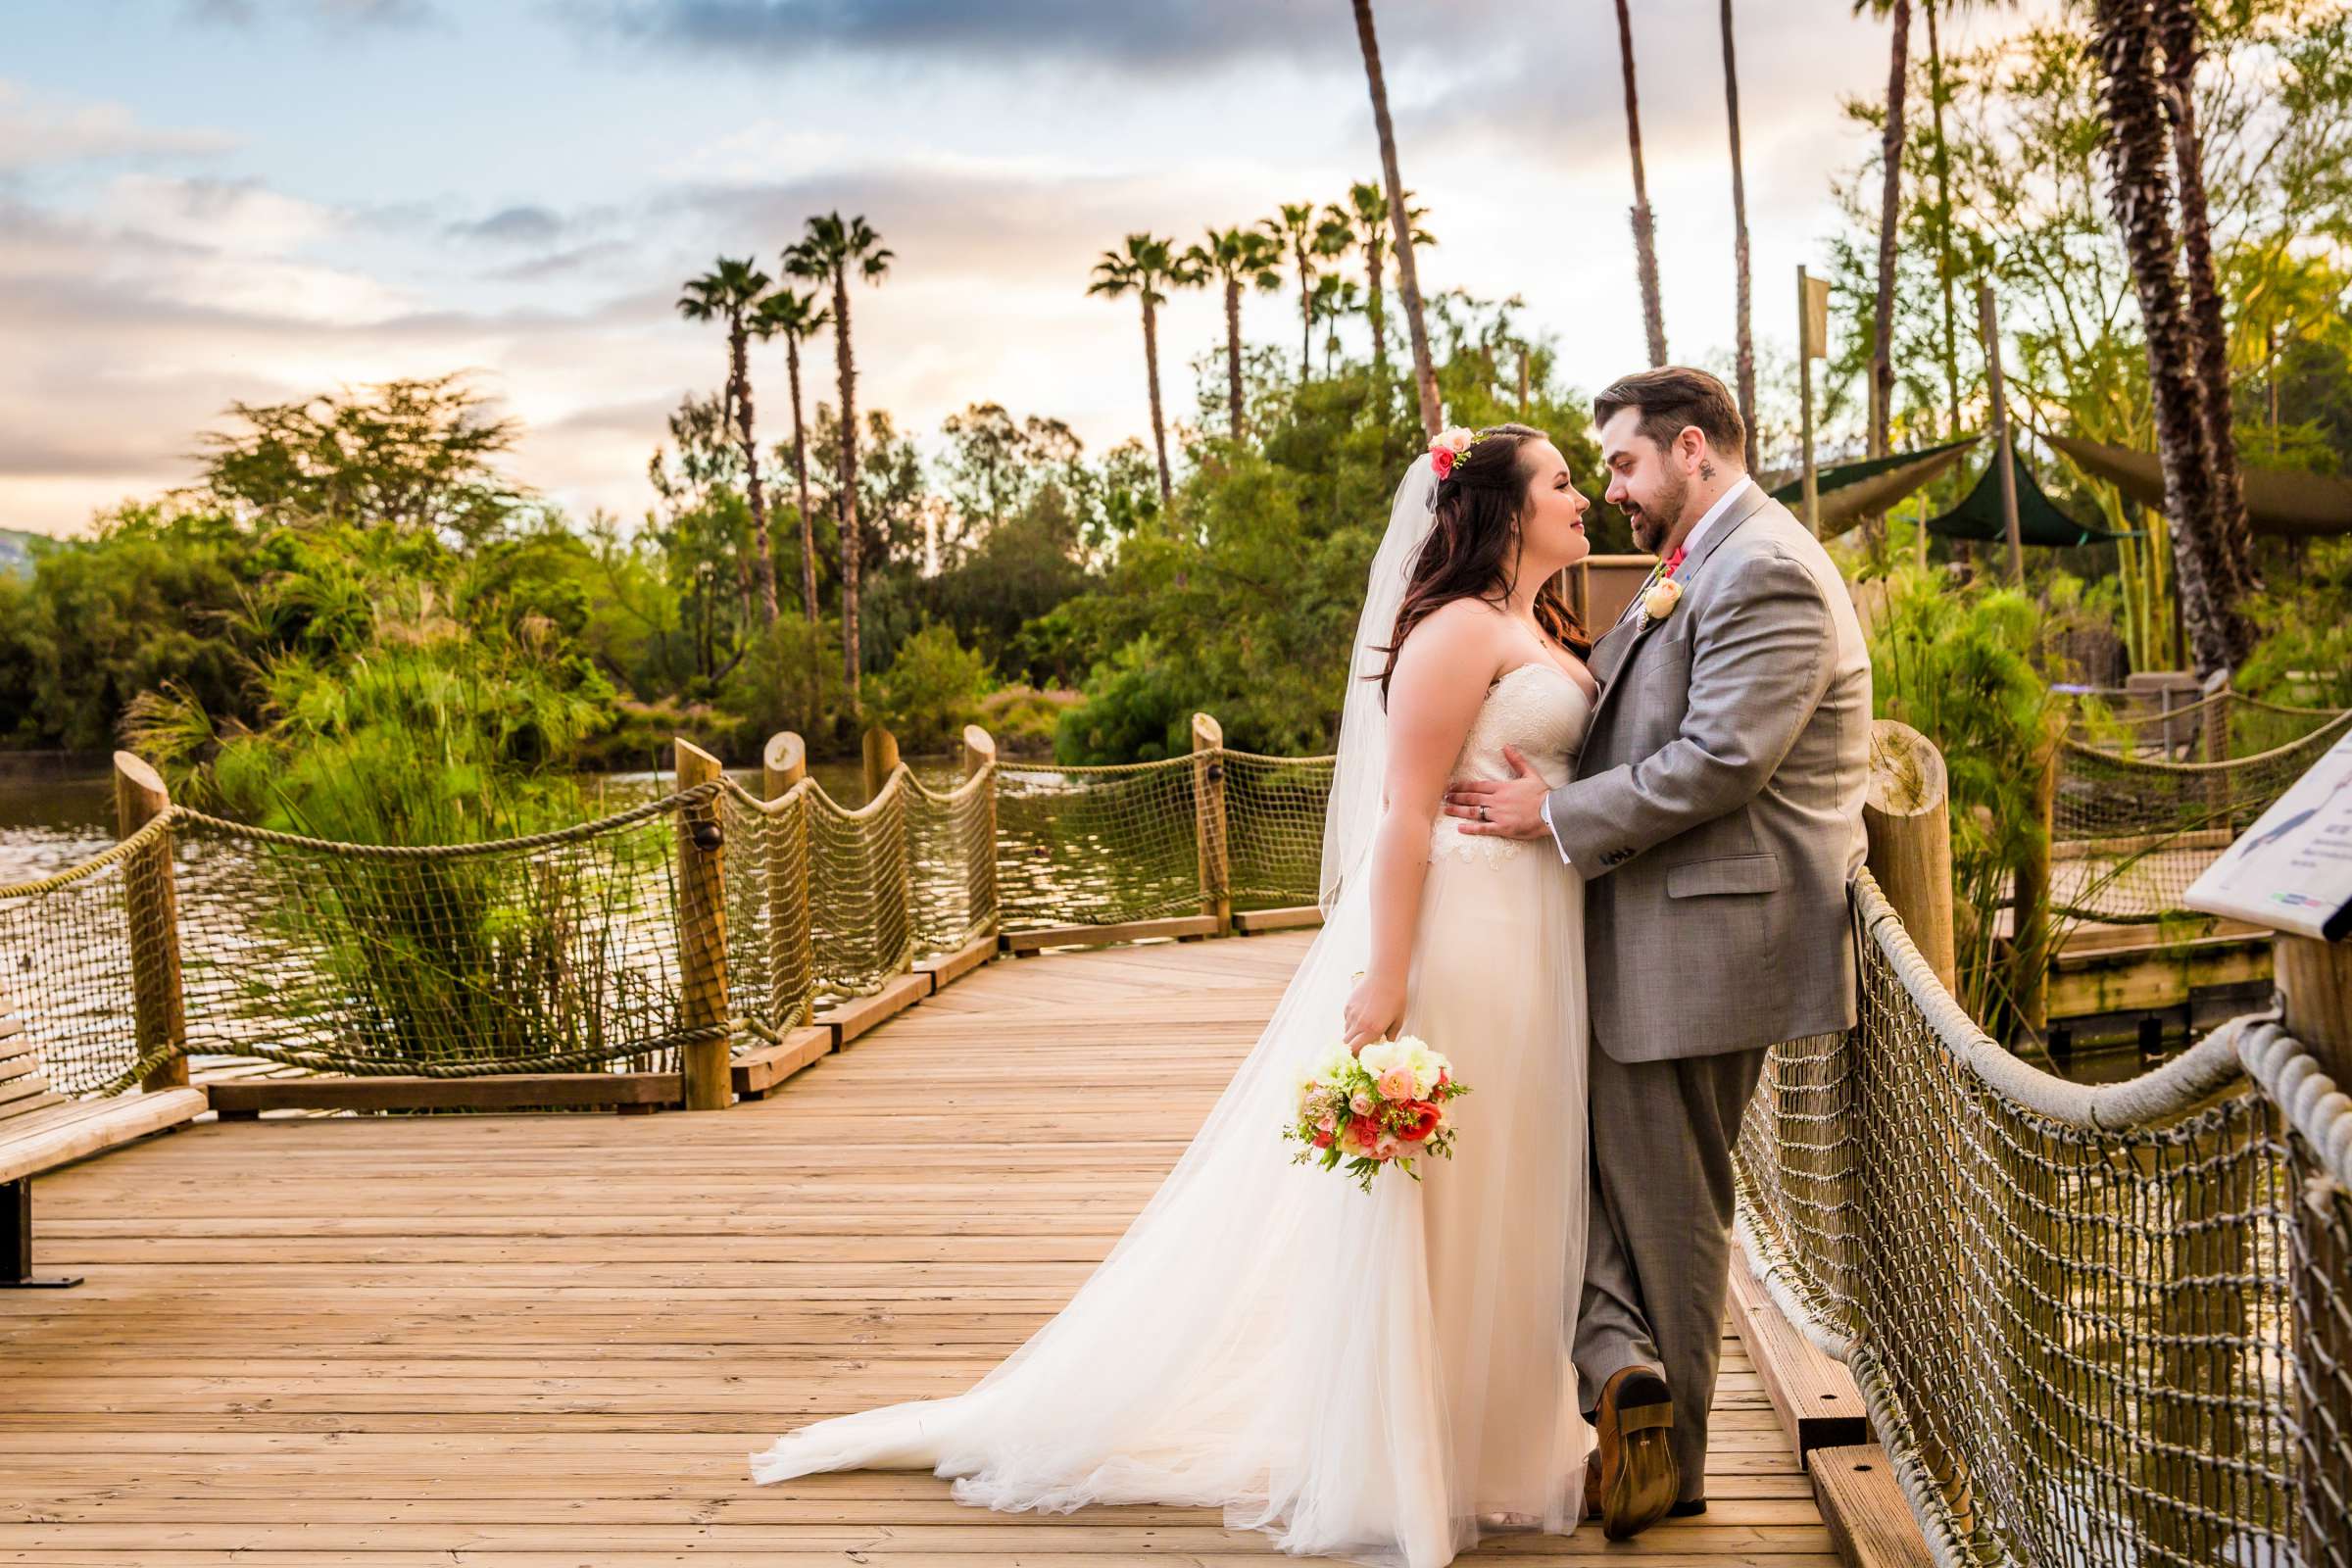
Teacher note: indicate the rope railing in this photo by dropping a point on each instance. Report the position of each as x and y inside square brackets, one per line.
[2132, 830]
[714, 913]
[2092, 1325]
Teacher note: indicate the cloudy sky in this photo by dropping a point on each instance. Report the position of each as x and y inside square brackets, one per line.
[210, 200]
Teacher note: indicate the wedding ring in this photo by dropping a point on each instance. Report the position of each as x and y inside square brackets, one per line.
[1482, 814]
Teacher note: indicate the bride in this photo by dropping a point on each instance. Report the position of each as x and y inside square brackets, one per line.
[1373, 1376]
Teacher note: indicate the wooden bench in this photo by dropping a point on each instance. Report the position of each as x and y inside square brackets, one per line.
[42, 1129]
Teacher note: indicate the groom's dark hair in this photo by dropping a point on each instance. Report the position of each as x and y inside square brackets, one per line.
[1673, 398]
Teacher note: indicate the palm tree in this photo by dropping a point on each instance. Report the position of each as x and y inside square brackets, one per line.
[1948, 269]
[1890, 199]
[1298, 230]
[834, 248]
[1236, 256]
[1144, 268]
[1336, 299]
[1646, 232]
[1364, 220]
[2125, 42]
[1747, 329]
[731, 291]
[796, 317]
[1400, 225]
[2176, 26]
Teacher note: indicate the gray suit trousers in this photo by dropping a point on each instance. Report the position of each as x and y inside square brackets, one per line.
[1657, 1264]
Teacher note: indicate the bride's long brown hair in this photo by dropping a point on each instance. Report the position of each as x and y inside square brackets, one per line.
[1473, 549]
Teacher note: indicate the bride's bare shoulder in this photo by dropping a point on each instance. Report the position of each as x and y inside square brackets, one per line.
[1463, 639]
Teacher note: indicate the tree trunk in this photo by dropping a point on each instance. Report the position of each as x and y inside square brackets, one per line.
[1408, 283]
[1646, 232]
[1306, 313]
[2177, 24]
[800, 473]
[1890, 215]
[764, 564]
[1159, 431]
[2124, 40]
[1747, 329]
[1945, 268]
[852, 544]
[1232, 352]
[1378, 312]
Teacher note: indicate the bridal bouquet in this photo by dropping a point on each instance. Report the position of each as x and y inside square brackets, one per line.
[1385, 1105]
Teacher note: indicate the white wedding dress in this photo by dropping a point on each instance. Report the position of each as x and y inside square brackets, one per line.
[1363, 1376]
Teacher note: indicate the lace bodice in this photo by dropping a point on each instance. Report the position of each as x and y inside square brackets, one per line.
[1541, 710]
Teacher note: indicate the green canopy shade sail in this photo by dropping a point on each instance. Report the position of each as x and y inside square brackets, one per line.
[1851, 491]
[2279, 500]
[1978, 515]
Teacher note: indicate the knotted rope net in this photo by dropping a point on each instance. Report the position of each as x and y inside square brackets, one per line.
[1101, 846]
[2093, 1324]
[2217, 727]
[563, 950]
[2132, 830]
[1274, 826]
[556, 952]
[68, 970]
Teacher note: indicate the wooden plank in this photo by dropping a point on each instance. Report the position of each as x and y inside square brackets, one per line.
[950, 967]
[759, 1072]
[571, 1090]
[1813, 1396]
[2152, 978]
[110, 1125]
[1869, 1520]
[1021, 943]
[860, 1016]
[1297, 918]
[2133, 847]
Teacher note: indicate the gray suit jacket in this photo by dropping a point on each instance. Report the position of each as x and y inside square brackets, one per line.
[1716, 813]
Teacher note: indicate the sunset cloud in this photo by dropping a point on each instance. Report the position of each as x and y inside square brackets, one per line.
[238, 201]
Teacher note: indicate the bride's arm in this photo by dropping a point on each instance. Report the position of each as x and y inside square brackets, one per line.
[1441, 680]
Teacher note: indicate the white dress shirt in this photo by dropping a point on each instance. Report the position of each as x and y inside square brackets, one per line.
[1690, 548]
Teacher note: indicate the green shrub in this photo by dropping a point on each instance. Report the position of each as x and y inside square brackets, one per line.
[2306, 658]
[1139, 708]
[1960, 666]
[932, 689]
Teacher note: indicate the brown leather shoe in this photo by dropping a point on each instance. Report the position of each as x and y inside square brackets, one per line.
[1592, 1485]
[1639, 1479]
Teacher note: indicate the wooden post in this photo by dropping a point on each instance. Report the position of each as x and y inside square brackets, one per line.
[1208, 820]
[1908, 817]
[2029, 915]
[881, 760]
[2315, 991]
[979, 755]
[2215, 748]
[881, 763]
[159, 1007]
[703, 935]
[1988, 323]
[792, 956]
[1806, 348]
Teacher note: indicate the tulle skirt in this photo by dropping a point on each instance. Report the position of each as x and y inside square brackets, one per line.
[1361, 1376]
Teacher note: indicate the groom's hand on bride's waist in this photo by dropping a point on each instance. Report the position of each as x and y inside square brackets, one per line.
[1510, 809]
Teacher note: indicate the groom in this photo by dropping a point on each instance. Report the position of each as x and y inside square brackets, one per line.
[1716, 817]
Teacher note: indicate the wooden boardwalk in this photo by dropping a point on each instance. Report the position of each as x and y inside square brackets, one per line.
[552, 1340]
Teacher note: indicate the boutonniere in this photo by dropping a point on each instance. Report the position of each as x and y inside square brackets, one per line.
[1660, 601]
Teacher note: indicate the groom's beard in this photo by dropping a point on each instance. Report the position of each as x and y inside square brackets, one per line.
[1655, 522]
